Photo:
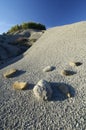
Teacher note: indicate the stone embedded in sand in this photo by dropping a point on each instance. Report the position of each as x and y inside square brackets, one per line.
[9, 73]
[20, 85]
[72, 64]
[48, 68]
[67, 72]
[75, 64]
[43, 90]
[65, 90]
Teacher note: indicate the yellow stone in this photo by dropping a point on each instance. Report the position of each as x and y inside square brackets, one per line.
[75, 64]
[20, 85]
[65, 72]
[9, 73]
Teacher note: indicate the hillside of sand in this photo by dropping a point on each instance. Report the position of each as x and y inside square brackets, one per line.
[57, 47]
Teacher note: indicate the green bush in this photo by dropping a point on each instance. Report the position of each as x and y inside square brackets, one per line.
[29, 25]
[32, 25]
[14, 28]
[24, 26]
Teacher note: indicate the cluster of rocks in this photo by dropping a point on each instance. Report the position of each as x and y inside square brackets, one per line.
[43, 90]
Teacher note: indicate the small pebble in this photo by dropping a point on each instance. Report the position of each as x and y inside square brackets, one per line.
[48, 68]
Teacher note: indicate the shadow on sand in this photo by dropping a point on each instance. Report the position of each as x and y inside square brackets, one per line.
[29, 86]
[16, 74]
[57, 94]
[11, 61]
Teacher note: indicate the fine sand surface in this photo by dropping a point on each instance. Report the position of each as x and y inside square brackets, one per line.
[57, 47]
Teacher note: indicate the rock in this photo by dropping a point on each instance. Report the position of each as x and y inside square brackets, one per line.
[43, 90]
[72, 64]
[9, 73]
[65, 90]
[48, 68]
[20, 85]
[67, 72]
[75, 64]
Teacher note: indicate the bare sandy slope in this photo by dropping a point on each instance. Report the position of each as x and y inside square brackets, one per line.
[20, 110]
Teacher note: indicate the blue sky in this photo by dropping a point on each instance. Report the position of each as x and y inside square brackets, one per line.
[48, 12]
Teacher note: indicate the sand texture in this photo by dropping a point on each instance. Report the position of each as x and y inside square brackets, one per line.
[57, 47]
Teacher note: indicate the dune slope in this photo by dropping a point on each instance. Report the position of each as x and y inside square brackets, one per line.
[57, 47]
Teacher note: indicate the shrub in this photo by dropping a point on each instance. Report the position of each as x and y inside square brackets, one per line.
[14, 28]
[33, 25]
[28, 25]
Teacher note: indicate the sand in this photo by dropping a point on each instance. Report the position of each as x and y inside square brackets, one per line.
[20, 110]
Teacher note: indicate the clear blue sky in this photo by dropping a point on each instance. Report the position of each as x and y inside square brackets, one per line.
[48, 12]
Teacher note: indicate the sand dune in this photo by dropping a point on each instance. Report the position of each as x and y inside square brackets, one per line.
[57, 47]
[14, 44]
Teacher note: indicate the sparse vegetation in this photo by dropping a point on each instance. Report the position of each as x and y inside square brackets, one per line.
[28, 25]
[33, 25]
[14, 29]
